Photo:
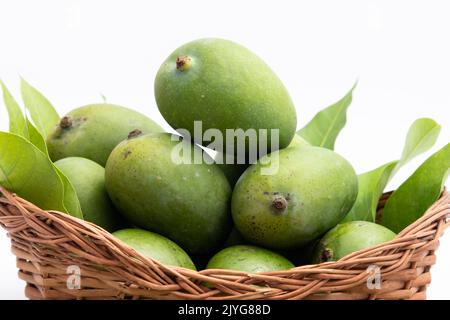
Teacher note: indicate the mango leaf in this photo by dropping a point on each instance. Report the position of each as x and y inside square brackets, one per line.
[421, 136]
[324, 128]
[17, 122]
[41, 110]
[70, 197]
[24, 169]
[35, 137]
[29, 132]
[27, 171]
[410, 201]
[371, 185]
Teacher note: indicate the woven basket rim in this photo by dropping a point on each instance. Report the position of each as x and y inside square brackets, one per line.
[236, 281]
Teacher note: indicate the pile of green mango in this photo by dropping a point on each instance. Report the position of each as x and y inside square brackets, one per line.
[299, 202]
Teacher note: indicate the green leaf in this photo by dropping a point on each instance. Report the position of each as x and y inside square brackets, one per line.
[70, 196]
[371, 185]
[23, 127]
[410, 201]
[324, 128]
[41, 110]
[27, 171]
[17, 122]
[421, 136]
[35, 137]
[24, 169]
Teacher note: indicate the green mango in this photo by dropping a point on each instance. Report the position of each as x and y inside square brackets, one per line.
[184, 201]
[292, 196]
[350, 237]
[249, 259]
[155, 246]
[88, 179]
[225, 86]
[94, 130]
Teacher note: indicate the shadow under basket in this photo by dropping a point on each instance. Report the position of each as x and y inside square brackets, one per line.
[62, 257]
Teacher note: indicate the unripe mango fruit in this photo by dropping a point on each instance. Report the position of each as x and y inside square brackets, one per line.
[350, 237]
[247, 258]
[92, 131]
[186, 202]
[88, 179]
[155, 246]
[309, 192]
[225, 86]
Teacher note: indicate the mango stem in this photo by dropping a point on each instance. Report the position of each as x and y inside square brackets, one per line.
[279, 203]
[183, 63]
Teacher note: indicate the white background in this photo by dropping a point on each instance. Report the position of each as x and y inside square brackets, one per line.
[75, 51]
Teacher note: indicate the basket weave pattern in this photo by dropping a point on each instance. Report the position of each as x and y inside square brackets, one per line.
[46, 243]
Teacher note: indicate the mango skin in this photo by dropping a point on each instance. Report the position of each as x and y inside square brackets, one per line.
[155, 246]
[188, 203]
[311, 192]
[248, 258]
[226, 86]
[95, 130]
[88, 179]
[350, 237]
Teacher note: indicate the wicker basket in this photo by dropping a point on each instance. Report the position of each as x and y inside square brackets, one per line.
[48, 244]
